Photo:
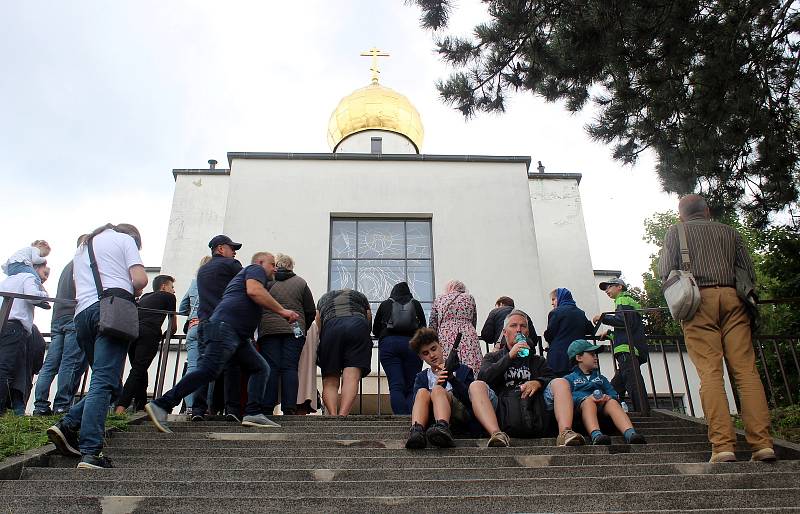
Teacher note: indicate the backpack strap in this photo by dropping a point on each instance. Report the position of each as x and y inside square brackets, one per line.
[685, 262]
[95, 271]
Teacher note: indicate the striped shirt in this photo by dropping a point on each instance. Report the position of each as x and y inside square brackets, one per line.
[342, 303]
[715, 250]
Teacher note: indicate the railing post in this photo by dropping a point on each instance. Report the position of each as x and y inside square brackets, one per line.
[635, 369]
[5, 310]
[685, 377]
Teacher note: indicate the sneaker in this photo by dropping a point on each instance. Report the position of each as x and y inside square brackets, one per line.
[439, 435]
[65, 439]
[570, 438]
[158, 416]
[60, 412]
[637, 438]
[37, 413]
[601, 439]
[196, 417]
[722, 457]
[499, 440]
[416, 438]
[256, 420]
[764, 455]
[233, 418]
[95, 462]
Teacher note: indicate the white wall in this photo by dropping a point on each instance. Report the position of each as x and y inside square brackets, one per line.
[361, 142]
[563, 245]
[481, 221]
[198, 210]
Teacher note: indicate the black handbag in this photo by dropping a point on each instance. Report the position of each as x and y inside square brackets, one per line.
[522, 417]
[119, 316]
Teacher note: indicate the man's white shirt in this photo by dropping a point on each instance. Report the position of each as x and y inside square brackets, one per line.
[22, 310]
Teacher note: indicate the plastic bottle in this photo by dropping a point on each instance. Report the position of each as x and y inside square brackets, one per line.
[296, 330]
[597, 393]
[624, 406]
[520, 338]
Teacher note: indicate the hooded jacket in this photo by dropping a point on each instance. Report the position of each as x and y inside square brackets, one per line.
[565, 324]
[402, 295]
[293, 293]
[495, 364]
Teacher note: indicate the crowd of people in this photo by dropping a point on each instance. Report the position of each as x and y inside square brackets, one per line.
[248, 327]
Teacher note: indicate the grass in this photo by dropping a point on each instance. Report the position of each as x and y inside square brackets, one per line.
[21, 433]
[785, 423]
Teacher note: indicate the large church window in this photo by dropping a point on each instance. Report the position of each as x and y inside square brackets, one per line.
[372, 256]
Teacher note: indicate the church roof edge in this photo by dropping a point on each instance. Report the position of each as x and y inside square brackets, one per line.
[557, 176]
[380, 157]
[205, 171]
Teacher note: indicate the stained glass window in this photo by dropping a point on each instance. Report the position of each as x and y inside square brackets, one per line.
[372, 256]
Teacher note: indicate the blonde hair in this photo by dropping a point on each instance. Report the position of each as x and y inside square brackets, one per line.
[260, 256]
[205, 260]
[284, 261]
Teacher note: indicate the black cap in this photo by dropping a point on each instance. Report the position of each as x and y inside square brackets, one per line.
[223, 240]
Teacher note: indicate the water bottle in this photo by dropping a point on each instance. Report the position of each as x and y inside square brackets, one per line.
[624, 406]
[597, 393]
[296, 330]
[522, 339]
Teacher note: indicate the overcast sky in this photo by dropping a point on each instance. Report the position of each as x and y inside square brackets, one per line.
[100, 100]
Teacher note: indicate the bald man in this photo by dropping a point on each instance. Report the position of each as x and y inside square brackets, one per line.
[720, 329]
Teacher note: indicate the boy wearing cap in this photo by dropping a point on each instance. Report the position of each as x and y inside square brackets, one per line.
[627, 377]
[584, 380]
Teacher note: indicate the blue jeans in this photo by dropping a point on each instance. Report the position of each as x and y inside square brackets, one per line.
[401, 365]
[282, 352]
[222, 344]
[65, 358]
[20, 267]
[106, 356]
[192, 357]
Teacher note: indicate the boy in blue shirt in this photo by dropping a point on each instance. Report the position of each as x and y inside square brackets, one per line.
[584, 380]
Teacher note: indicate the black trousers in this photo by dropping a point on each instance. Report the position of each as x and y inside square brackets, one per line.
[141, 353]
[625, 380]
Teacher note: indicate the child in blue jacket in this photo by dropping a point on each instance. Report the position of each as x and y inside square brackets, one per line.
[584, 380]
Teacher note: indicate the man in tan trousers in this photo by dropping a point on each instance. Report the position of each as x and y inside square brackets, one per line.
[720, 329]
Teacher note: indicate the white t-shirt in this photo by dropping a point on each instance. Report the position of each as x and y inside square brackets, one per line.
[115, 254]
[22, 310]
[29, 255]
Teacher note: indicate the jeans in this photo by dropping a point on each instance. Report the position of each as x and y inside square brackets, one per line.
[141, 354]
[15, 268]
[192, 356]
[401, 365]
[282, 352]
[106, 356]
[222, 344]
[625, 380]
[12, 341]
[65, 358]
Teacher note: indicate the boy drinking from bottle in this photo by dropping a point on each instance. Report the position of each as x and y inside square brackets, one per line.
[594, 395]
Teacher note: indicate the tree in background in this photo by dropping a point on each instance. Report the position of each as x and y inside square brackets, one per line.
[710, 86]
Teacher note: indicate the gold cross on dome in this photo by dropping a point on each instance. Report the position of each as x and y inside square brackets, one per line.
[374, 53]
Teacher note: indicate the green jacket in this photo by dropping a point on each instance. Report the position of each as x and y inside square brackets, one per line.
[625, 302]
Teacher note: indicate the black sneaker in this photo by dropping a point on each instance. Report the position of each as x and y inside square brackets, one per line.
[47, 412]
[416, 438]
[65, 439]
[601, 439]
[439, 435]
[637, 438]
[197, 417]
[232, 418]
[95, 462]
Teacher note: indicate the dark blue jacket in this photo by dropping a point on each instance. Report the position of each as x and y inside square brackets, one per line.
[461, 380]
[565, 324]
[582, 387]
[212, 279]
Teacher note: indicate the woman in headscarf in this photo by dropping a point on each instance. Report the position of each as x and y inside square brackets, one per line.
[396, 320]
[454, 312]
[565, 323]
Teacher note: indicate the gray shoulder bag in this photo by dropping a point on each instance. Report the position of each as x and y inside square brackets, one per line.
[680, 288]
[119, 316]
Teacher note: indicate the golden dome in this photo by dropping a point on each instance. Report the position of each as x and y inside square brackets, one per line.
[375, 107]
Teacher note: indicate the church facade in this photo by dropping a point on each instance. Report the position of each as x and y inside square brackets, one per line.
[375, 211]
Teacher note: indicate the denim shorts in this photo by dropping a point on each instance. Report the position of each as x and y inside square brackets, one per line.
[493, 398]
[548, 396]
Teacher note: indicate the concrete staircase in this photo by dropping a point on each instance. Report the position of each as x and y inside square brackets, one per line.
[359, 464]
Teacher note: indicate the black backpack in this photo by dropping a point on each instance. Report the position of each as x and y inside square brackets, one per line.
[403, 318]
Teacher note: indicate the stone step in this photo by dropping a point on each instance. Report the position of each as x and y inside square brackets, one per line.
[357, 422]
[712, 499]
[297, 441]
[365, 489]
[166, 473]
[408, 460]
[366, 429]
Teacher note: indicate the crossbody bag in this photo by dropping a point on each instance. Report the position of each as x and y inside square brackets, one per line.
[119, 316]
[680, 289]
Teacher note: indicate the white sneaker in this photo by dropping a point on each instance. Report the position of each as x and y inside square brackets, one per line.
[259, 420]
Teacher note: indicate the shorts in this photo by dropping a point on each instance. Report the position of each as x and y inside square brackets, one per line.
[548, 396]
[493, 398]
[345, 343]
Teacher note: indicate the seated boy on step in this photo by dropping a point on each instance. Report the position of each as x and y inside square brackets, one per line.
[439, 392]
[584, 380]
